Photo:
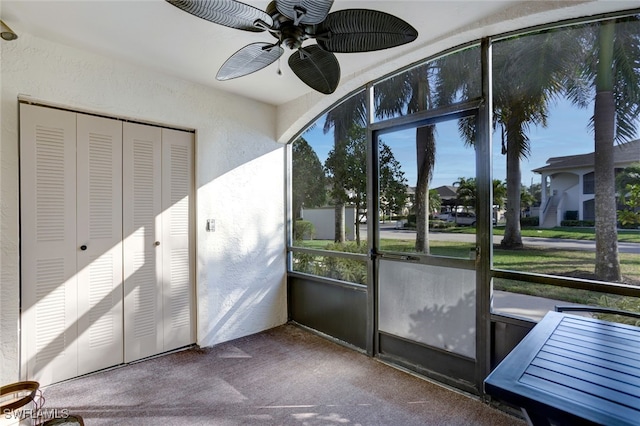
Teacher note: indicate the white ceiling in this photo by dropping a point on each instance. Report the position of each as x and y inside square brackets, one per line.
[156, 35]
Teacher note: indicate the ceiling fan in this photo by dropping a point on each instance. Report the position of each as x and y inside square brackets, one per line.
[292, 22]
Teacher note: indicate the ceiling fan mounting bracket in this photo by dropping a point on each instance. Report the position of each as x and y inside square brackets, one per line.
[300, 12]
[259, 23]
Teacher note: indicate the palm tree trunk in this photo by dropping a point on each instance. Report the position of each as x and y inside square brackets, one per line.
[357, 223]
[339, 232]
[426, 151]
[512, 231]
[607, 266]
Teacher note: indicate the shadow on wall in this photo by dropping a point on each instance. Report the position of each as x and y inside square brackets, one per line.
[429, 304]
[62, 335]
[242, 265]
[446, 326]
[244, 269]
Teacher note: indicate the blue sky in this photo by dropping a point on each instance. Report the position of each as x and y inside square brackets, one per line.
[567, 133]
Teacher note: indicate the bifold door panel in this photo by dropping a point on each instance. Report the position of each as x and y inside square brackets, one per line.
[48, 243]
[143, 256]
[99, 242]
[177, 276]
[105, 242]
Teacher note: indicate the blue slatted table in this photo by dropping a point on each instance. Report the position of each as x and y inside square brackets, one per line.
[573, 370]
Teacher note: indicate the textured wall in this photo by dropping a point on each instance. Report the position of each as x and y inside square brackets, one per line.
[240, 181]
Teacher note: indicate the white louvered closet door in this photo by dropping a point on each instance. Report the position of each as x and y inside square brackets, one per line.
[177, 198]
[106, 249]
[142, 203]
[99, 242]
[48, 238]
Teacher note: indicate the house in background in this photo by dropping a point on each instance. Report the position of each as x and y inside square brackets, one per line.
[450, 203]
[568, 184]
[448, 198]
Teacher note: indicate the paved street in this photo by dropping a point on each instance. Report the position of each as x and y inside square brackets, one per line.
[387, 230]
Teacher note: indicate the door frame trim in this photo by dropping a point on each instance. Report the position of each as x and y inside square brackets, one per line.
[473, 108]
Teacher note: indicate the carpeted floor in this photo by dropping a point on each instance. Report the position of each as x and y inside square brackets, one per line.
[283, 376]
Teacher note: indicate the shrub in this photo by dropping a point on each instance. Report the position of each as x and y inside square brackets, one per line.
[530, 221]
[628, 225]
[434, 223]
[571, 215]
[580, 223]
[303, 230]
[349, 270]
[441, 224]
[329, 266]
[629, 304]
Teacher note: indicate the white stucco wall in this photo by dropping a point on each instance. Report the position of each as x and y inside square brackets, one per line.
[241, 266]
[568, 189]
[323, 219]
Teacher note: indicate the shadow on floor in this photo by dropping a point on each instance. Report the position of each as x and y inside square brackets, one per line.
[283, 376]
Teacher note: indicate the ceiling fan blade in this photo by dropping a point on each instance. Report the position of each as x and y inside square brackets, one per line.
[317, 68]
[363, 30]
[308, 12]
[229, 13]
[250, 58]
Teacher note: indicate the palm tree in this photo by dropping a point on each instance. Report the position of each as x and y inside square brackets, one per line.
[342, 119]
[629, 176]
[611, 69]
[408, 93]
[466, 192]
[528, 74]
[415, 90]
[435, 202]
[499, 193]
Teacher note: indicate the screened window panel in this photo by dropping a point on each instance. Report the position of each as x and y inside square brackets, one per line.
[437, 83]
[569, 175]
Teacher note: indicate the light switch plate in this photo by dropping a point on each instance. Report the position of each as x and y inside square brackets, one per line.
[211, 225]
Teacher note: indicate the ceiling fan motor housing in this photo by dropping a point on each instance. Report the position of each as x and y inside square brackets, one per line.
[285, 29]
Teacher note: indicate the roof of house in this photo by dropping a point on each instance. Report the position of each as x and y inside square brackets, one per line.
[447, 192]
[622, 154]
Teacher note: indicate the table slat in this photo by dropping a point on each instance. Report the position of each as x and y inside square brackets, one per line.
[605, 345]
[592, 407]
[576, 365]
[570, 372]
[592, 359]
[594, 350]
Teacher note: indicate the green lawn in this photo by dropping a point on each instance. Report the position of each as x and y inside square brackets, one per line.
[538, 260]
[548, 261]
[573, 233]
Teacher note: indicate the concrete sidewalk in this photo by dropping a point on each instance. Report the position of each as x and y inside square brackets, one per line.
[525, 306]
